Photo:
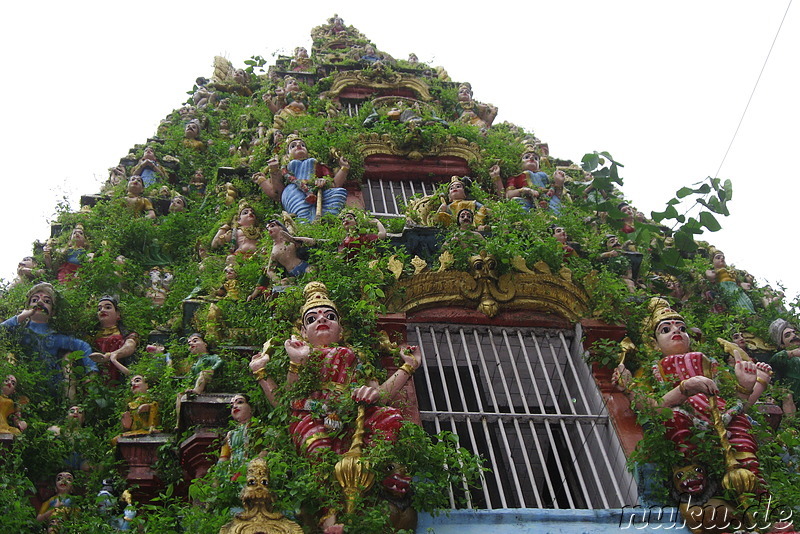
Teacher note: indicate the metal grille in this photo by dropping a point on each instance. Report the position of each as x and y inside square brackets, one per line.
[385, 198]
[524, 399]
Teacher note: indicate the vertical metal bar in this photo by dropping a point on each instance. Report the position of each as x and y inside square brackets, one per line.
[394, 198]
[489, 379]
[404, 193]
[432, 398]
[551, 439]
[526, 407]
[562, 424]
[371, 195]
[383, 194]
[512, 410]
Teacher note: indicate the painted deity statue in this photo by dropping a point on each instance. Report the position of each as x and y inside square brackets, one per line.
[10, 418]
[526, 186]
[150, 169]
[474, 112]
[142, 415]
[59, 505]
[726, 278]
[317, 426]
[114, 342]
[202, 367]
[288, 252]
[234, 448]
[138, 204]
[457, 201]
[305, 188]
[693, 381]
[70, 258]
[243, 236]
[33, 326]
[354, 240]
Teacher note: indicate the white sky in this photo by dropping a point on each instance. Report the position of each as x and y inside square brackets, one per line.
[661, 86]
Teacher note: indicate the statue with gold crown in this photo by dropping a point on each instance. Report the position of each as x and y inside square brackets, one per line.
[305, 187]
[692, 382]
[457, 201]
[322, 418]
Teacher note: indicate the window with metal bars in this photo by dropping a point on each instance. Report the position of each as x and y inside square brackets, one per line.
[385, 198]
[524, 399]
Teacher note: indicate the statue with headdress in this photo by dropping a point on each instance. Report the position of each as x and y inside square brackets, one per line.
[305, 187]
[692, 383]
[243, 236]
[324, 420]
[474, 112]
[526, 186]
[457, 201]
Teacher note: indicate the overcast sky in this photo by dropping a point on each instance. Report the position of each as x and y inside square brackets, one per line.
[661, 86]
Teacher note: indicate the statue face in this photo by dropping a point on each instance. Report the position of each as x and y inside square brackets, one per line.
[559, 178]
[75, 413]
[465, 218]
[530, 162]
[560, 234]
[25, 265]
[78, 237]
[789, 337]
[138, 385]
[107, 314]
[290, 85]
[689, 479]
[135, 185]
[241, 411]
[230, 273]
[43, 304]
[348, 220]
[64, 482]
[240, 76]
[464, 94]
[612, 242]
[627, 210]
[301, 52]
[149, 154]
[177, 205]
[192, 130]
[672, 337]
[321, 327]
[297, 149]
[274, 229]
[197, 345]
[247, 217]
[719, 260]
[738, 338]
[457, 191]
[9, 386]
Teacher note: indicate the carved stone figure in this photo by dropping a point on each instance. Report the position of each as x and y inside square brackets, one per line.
[474, 112]
[10, 417]
[69, 259]
[138, 204]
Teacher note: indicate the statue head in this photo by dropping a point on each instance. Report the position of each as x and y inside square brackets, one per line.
[241, 411]
[465, 218]
[290, 84]
[465, 92]
[42, 298]
[612, 242]
[149, 154]
[9, 386]
[26, 266]
[320, 318]
[246, 215]
[559, 233]
[197, 344]
[241, 77]
[192, 130]
[300, 52]
[530, 159]
[718, 260]
[667, 328]
[177, 204]
[139, 385]
[275, 228]
[457, 190]
[64, 483]
[296, 147]
[255, 492]
[75, 415]
[135, 185]
[412, 58]
[783, 334]
[78, 236]
[108, 313]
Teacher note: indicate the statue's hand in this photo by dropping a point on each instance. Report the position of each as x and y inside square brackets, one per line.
[764, 372]
[273, 164]
[494, 171]
[700, 384]
[622, 378]
[411, 355]
[127, 420]
[367, 394]
[297, 349]
[258, 361]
